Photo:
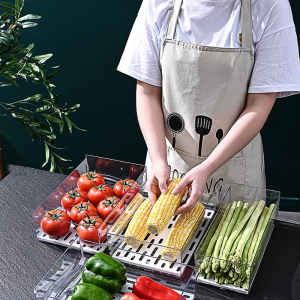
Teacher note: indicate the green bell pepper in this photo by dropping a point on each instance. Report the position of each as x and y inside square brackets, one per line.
[112, 285]
[105, 265]
[86, 291]
[123, 279]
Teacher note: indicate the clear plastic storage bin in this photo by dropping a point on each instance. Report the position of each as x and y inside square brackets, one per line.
[242, 193]
[58, 283]
[112, 171]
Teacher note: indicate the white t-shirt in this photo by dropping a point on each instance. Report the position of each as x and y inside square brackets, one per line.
[218, 23]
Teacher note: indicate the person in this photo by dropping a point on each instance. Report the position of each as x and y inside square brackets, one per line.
[208, 74]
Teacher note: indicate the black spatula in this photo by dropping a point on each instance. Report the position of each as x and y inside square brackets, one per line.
[202, 127]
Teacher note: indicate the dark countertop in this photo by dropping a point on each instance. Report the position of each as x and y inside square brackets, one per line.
[24, 260]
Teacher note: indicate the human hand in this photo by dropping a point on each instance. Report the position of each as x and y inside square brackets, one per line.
[157, 183]
[195, 180]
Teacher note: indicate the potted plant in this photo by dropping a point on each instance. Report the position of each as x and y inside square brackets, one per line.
[37, 113]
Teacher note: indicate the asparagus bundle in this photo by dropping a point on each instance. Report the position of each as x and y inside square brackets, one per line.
[235, 243]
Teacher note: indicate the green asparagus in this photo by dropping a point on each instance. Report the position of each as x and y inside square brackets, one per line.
[237, 282]
[235, 233]
[213, 240]
[221, 279]
[218, 274]
[242, 213]
[237, 258]
[216, 279]
[216, 261]
[231, 272]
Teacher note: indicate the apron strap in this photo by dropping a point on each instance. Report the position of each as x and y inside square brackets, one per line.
[246, 24]
[173, 19]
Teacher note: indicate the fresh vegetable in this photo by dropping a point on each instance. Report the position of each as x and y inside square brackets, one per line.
[111, 206]
[213, 240]
[56, 223]
[136, 230]
[87, 180]
[73, 197]
[86, 291]
[105, 265]
[237, 258]
[216, 262]
[112, 285]
[80, 211]
[164, 208]
[122, 187]
[182, 232]
[147, 288]
[235, 233]
[130, 296]
[98, 193]
[91, 229]
[124, 220]
[135, 171]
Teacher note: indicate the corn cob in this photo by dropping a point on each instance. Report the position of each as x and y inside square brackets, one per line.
[164, 208]
[136, 230]
[126, 216]
[182, 232]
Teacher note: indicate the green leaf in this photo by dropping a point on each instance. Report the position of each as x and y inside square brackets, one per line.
[29, 24]
[47, 153]
[50, 125]
[43, 58]
[36, 98]
[17, 35]
[8, 10]
[69, 123]
[29, 17]
[31, 131]
[74, 108]
[2, 84]
[49, 134]
[7, 4]
[77, 127]
[43, 108]
[7, 76]
[5, 16]
[61, 158]
[7, 35]
[58, 148]
[52, 118]
[52, 75]
[60, 170]
[61, 126]
[1, 132]
[19, 4]
[5, 41]
[53, 164]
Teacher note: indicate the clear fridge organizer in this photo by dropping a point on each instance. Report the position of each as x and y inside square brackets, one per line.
[112, 171]
[237, 192]
[149, 250]
[58, 283]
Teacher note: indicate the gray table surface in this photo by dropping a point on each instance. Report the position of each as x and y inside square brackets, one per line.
[24, 260]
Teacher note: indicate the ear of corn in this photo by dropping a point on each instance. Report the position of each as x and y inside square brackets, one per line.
[164, 208]
[126, 216]
[182, 232]
[136, 230]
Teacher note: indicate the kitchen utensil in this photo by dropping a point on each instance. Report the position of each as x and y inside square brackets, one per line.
[219, 135]
[176, 125]
[202, 127]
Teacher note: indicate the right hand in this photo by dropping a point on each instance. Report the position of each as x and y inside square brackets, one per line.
[157, 183]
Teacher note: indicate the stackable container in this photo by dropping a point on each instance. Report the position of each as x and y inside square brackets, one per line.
[243, 193]
[112, 171]
[58, 283]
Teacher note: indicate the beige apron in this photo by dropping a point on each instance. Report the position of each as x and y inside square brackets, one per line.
[204, 91]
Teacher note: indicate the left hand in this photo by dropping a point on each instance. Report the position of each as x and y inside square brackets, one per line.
[195, 179]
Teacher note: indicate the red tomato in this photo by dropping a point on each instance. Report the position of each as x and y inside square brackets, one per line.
[87, 180]
[78, 212]
[89, 230]
[106, 206]
[135, 171]
[71, 181]
[122, 186]
[108, 166]
[56, 223]
[54, 200]
[99, 193]
[72, 198]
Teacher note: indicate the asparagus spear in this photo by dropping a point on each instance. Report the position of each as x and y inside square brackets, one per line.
[226, 281]
[216, 262]
[202, 273]
[235, 233]
[213, 240]
[208, 269]
[242, 268]
[262, 230]
[216, 279]
[221, 279]
[237, 258]
[256, 234]
[242, 213]
[218, 274]
[209, 275]
[231, 273]
[235, 276]
[245, 284]
[238, 282]
[231, 224]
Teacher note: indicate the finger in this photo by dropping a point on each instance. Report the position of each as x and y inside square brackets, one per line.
[163, 185]
[152, 190]
[181, 185]
[188, 206]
